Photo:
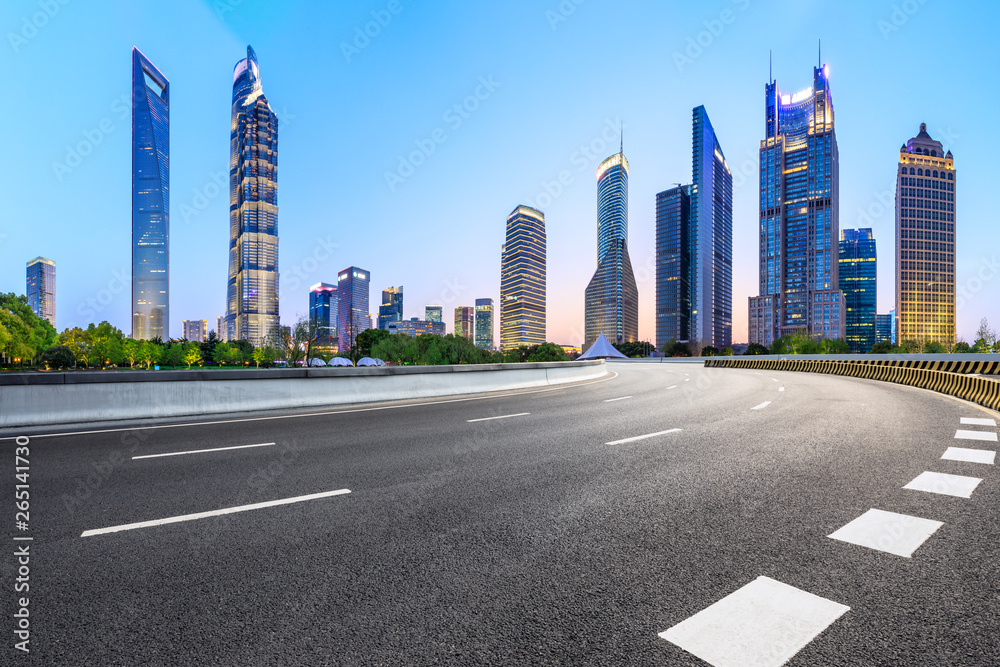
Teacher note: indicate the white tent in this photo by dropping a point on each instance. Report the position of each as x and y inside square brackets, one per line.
[340, 361]
[316, 362]
[601, 349]
[367, 361]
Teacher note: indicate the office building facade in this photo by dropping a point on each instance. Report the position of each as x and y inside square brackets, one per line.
[484, 324]
[611, 301]
[885, 328]
[523, 279]
[434, 313]
[858, 282]
[40, 283]
[353, 286]
[252, 288]
[195, 330]
[465, 318]
[323, 305]
[150, 200]
[925, 241]
[414, 327]
[799, 222]
[391, 309]
[673, 266]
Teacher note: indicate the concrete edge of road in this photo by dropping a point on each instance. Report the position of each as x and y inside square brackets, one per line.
[945, 377]
[211, 393]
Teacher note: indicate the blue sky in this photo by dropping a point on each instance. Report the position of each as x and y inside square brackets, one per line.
[540, 88]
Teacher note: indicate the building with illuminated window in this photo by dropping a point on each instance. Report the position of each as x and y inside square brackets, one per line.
[925, 241]
[195, 330]
[858, 281]
[522, 279]
[41, 288]
[414, 327]
[352, 305]
[434, 313]
[611, 301]
[465, 317]
[484, 324]
[252, 289]
[391, 309]
[799, 217]
[323, 305]
[150, 200]
[694, 247]
[885, 328]
[219, 329]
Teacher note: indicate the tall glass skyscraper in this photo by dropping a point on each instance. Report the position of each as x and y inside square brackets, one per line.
[799, 217]
[484, 324]
[673, 266]
[41, 288]
[352, 308]
[323, 306]
[150, 200]
[434, 313]
[252, 290]
[465, 317]
[925, 241]
[611, 302]
[391, 309]
[858, 281]
[522, 279]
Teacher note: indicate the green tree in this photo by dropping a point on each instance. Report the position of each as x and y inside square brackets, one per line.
[934, 347]
[675, 348]
[635, 349]
[367, 340]
[881, 347]
[709, 351]
[106, 344]
[961, 347]
[58, 356]
[192, 354]
[222, 354]
[264, 355]
[130, 350]
[150, 353]
[25, 334]
[548, 352]
[208, 347]
[755, 349]
[907, 347]
[173, 355]
[78, 340]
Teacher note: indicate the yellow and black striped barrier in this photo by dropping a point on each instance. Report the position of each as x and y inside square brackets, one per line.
[954, 378]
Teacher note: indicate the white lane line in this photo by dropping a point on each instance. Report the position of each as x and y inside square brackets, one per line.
[774, 379]
[203, 515]
[201, 451]
[620, 398]
[764, 623]
[687, 379]
[613, 375]
[642, 437]
[898, 534]
[977, 421]
[486, 419]
[781, 389]
[761, 406]
[672, 387]
[986, 456]
[988, 436]
[946, 485]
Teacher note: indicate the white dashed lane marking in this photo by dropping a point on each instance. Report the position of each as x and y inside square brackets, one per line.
[946, 485]
[612, 400]
[673, 387]
[978, 421]
[764, 623]
[486, 419]
[201, 451]
[761, 406]
[642, 437]
[986, 456]
[893, 533]
[986, 436]
[781, 389]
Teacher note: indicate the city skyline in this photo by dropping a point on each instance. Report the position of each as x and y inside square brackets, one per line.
[95, 294]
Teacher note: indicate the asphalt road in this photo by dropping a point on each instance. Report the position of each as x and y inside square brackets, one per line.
[521, 539]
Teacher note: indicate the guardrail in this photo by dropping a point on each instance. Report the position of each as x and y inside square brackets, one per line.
[947, 377]
[34, 399]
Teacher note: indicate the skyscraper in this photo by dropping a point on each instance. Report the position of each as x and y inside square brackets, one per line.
[484, 324]
[858, 281]
[41, 288]
[522, 279]
[352, 305]
[799, 217]
[323, 306]
[391, 309]
[711, 237]
[150, 200]
[220, 332]
[925, 241]
[611, 303]
[673, 266]
[884, 328]
[434, 313]
[252, 290]
[195, 330]
[464, 321]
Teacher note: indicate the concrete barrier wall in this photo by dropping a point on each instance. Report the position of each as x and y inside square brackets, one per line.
[34, 399]
[955, 382]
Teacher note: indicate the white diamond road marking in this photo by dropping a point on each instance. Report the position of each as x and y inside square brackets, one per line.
[946, 485]
[988, 436]
[761, 406]
[977, 421]
[986, 456]
[893, 533]
[764, 623]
